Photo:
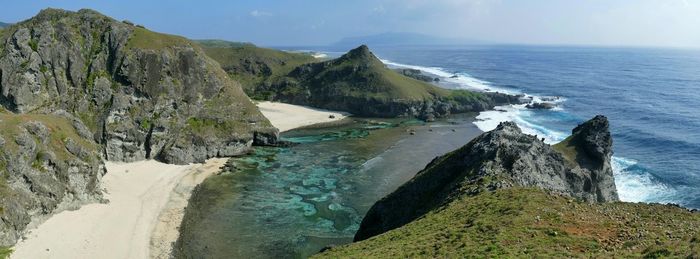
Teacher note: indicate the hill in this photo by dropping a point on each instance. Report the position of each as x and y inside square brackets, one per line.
[252, 65]
[507, 194]
[80, 87]
[359, 83]
[3, 25]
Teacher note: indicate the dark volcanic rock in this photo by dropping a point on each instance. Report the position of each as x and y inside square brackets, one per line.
[416, 74]
[544, 106]
[503, 158]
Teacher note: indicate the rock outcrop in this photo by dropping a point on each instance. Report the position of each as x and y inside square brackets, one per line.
[77, 88]
[578, 167]
[142, 94]
[540, 106]
[359, 83]
[46, 163]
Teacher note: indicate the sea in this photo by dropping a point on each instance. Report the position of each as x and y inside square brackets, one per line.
[650, 96]
[291, 202]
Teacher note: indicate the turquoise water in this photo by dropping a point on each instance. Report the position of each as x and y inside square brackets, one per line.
[291, 202]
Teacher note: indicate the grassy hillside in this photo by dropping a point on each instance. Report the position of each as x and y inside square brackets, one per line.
[252, 65]
[359, 83]
[525, 222]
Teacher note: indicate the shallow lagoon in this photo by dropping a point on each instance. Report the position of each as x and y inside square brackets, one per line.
[292, 202]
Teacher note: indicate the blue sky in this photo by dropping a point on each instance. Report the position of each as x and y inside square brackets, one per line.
[670, 23]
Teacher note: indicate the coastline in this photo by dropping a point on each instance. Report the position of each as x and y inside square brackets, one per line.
[286, 117]
[238, 215]
[146, 202]
[144, 199]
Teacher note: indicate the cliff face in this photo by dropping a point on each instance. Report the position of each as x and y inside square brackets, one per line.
[80, 87]
[359, 83]
[47, 162]
[142, 94]
[502, 158]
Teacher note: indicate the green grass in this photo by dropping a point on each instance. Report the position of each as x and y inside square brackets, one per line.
[359, 74]
[240, 60]
[60, 129]
[34, 44]
[5, 252]
[523, 222]
[145, 39]
[568, 149]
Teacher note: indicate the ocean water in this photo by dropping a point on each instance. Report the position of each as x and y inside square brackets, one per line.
[651, 97]
[291, 202]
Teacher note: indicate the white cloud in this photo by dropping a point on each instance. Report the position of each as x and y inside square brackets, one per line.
[256, 13]
[379, 9]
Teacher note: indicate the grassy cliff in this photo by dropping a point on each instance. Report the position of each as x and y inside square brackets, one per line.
[526, 222]
[358, 82]
[252, 65]
[509, 195]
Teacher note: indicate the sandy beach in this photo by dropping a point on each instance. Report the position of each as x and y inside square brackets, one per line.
[146, 200]
[146, 203]
[288, 116]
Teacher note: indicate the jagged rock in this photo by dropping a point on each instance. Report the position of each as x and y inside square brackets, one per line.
[505, 157]
[46, 167]
[541, 106]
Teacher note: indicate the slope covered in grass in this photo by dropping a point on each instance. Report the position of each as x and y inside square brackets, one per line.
[358, 82]
[252, 65]
[526, 222]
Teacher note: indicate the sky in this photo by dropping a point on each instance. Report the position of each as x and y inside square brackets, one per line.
[658, 23]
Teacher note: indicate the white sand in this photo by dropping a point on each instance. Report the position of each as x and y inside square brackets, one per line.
[288, 116]
[146, 201]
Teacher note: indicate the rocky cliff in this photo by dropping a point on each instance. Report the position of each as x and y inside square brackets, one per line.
[47, 162]
[509, 195]
[359, 83]
[80, 87]
[142, 94]
[502, 158]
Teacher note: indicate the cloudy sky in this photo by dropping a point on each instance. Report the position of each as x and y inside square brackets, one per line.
[667, 23]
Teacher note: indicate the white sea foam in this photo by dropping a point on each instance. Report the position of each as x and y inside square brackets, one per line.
[489, 120]
[633, 185]
[638, 185]
[461, 79]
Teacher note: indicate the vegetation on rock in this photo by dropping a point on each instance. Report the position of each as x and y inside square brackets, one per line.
[358, 82]
[251, 65]
[507, 194]
[81, 87]
[529, 222]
